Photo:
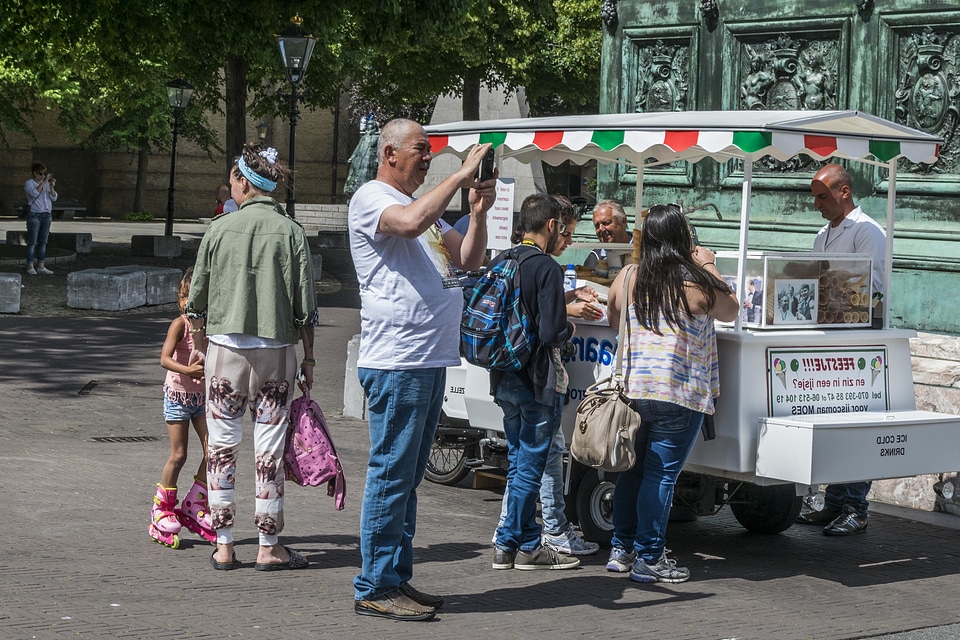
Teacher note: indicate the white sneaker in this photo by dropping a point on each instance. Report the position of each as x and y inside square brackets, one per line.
[31, 271]
[44, 271]
[569, 543]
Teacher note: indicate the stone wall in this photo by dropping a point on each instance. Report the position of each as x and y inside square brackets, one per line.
[322, 217]
[104, 182]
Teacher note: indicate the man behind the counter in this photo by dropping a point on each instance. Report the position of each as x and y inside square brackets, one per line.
[610, 225]
[848, 230]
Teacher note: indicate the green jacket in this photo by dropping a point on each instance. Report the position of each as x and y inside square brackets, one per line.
[254, 274]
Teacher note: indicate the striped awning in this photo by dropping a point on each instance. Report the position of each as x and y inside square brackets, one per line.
[692, 135]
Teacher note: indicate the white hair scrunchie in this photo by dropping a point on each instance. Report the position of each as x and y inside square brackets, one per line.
[269, 154]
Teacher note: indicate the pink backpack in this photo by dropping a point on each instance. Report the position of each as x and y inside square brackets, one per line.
[309, 457]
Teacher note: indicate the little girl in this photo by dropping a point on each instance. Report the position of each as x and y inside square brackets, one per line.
[183, 403]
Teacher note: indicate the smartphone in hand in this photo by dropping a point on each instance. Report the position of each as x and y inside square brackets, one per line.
[486, 167]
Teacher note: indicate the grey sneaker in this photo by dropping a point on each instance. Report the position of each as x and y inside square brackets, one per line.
[395, 606]
[665, 570]
[569, 543]
[621, 560]
[544, 558]
[503, 559]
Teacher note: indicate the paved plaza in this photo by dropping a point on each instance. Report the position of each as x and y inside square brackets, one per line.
[82, 442]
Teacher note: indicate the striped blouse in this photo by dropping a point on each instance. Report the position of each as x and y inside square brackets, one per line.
[678, 367]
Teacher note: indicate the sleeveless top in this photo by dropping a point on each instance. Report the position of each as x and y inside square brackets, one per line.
[679, 367]
[178, 387]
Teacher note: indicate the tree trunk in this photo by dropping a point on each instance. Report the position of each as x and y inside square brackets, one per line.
[143, 155]
[471, 111]
[471, 97]
[235, 73]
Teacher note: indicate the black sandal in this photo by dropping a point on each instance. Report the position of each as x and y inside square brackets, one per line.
[296, 561]
[224, 566]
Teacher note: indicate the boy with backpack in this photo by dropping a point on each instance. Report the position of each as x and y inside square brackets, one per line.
[530, 388]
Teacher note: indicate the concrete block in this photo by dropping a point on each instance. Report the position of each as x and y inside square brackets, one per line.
[354, 400]
[107, 290]
[333, 239]
[163, 283]
[155, 246]
[317, 261]
[76, 242]
[10, 285]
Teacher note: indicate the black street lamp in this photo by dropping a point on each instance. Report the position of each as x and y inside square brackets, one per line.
[296, 47]
[263, 130]
[179, 93]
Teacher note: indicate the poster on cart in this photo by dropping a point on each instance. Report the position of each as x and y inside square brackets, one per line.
[817, 381]
[500, 216]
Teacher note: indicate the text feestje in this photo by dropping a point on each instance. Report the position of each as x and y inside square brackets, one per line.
[828, 364]
[887, 451]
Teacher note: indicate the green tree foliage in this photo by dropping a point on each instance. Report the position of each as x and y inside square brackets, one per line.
[104, 63]
[563, 78]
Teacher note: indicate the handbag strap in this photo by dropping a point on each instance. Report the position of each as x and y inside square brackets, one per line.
[621, 332]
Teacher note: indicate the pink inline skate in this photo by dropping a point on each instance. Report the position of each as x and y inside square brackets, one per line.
[165, 526]
[194, 512]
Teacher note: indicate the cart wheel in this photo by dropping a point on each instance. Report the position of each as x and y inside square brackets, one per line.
[766, 509]
[448, 457]
[595, 507]
[578, 471]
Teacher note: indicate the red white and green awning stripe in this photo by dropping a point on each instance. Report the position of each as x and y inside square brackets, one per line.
[719, 135]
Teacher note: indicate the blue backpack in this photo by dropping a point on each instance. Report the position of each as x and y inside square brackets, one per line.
[495, 330]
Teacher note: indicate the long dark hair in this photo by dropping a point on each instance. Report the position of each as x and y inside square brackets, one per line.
[665, 265]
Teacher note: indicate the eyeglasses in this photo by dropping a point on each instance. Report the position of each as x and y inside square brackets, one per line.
[563, 229]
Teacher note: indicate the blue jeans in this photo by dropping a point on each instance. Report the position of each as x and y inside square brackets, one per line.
[404, 409]
[552, 504]
[529, 428]
[854, 494]
[643, 495]
[38, 230]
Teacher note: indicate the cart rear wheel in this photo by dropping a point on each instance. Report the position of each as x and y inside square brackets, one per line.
[448, 457]
[766, 509]
[595, 507]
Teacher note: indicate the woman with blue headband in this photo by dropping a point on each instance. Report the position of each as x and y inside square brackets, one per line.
[252, 297]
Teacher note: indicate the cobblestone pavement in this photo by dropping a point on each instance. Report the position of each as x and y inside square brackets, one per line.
[78, 562]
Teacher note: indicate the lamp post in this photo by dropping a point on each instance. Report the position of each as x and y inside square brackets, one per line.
[179, 93]
[296, 47]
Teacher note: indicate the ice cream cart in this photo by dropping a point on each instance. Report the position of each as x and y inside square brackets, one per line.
[810, 392]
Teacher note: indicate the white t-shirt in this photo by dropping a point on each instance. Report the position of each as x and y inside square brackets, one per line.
[857, 233]
[408, 320]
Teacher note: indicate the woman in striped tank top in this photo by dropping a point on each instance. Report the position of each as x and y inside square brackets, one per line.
[670, 366]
